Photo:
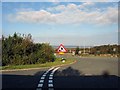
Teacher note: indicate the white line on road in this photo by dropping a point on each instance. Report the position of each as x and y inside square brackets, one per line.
[50, 69]
[45, 73]
[50, 77]
[51, 73]
[50, 85]
[42, 77]
[50, 81]
[40, 85]
[55, 70]
[41, 81]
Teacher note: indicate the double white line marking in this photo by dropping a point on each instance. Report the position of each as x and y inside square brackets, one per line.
[50, 81]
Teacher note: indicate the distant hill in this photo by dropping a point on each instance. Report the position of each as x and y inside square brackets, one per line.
[71, 46]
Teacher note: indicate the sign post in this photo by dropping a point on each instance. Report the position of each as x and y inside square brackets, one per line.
[61, 51]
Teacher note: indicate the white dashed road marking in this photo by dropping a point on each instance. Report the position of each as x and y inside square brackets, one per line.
[50, 85]
[41, 81]
[50, 81]
[40, 85]
[50, 77]
[42, 77]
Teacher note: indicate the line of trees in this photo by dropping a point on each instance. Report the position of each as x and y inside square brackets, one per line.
[20, 50]
[103, 49]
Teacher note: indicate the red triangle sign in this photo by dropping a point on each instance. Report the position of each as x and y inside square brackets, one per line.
[61, 48]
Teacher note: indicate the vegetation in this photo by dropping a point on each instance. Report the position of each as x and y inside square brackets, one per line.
[47, 64]
[0, 52]
[102, 50]
[77, 50]
[105, 49]
[20, 50]
[99, 50]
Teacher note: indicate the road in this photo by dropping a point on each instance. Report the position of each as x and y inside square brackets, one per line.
[87, 72]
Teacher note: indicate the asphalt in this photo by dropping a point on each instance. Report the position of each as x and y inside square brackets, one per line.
[87, 72]
[95, 65]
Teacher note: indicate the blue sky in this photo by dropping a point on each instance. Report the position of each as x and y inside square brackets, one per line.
[70, 23]
[0, 19]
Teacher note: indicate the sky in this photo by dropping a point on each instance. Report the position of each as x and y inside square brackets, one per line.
[69, 23]
[0, 19]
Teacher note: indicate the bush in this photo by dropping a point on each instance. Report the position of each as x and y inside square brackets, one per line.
[20, 50]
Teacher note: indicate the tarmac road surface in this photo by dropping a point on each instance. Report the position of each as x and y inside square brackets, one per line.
[87, 72]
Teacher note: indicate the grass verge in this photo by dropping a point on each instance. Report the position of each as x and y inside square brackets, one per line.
[48, 64]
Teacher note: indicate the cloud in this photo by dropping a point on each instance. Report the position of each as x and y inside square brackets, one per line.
[41, 16]
[69, 14]
[110, 16]
[86, 4]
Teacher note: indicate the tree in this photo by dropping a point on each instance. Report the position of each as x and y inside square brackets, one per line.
[77, 50]
[20, 50]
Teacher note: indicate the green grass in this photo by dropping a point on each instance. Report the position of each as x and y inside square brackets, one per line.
[48, 64]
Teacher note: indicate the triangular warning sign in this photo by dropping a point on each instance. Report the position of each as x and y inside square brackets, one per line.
[61, 48]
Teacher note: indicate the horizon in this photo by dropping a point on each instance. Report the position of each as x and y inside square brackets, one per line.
[72, 45]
